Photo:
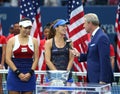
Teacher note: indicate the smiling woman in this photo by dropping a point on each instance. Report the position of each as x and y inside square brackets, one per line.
[57, 50]
[25, 25]
[22, 60]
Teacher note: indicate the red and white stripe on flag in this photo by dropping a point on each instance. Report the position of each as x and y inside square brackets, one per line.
[76, 31]
[117, 29]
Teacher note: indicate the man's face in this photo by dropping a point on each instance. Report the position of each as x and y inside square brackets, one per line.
[87, 26]
[16, 29]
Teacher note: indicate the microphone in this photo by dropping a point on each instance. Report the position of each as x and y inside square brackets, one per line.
[68, 41]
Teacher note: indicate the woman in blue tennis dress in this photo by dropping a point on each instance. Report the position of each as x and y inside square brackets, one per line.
[22, 59]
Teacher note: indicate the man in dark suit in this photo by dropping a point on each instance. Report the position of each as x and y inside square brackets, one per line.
[99, 68]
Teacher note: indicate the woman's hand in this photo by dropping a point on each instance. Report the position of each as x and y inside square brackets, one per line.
[24, 77]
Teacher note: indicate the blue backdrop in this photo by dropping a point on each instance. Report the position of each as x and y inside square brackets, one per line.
[107, 14]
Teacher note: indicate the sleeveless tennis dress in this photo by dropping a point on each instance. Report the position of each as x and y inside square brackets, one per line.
[22, 58]
[60, 58]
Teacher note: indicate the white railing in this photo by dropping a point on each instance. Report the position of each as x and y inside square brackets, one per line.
[115, 89]
[116, 74]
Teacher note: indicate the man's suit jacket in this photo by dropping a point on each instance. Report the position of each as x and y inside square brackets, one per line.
[98, 59]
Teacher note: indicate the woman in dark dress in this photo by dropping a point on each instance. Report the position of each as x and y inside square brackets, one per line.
[57, 50]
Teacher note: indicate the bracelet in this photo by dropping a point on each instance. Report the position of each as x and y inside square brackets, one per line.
[17, 72]
[31, 72]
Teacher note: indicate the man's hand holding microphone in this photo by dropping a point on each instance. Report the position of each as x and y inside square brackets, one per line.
[75, 52]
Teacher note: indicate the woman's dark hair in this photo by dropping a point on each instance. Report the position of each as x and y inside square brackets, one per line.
[48, 25]
[24, 19]
[52, 30]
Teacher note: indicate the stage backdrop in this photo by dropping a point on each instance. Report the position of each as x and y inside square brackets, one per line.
[107, 15]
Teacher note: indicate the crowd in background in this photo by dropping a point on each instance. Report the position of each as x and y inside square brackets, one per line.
[15, 3]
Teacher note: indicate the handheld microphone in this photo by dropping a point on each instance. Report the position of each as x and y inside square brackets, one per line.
[68, 41]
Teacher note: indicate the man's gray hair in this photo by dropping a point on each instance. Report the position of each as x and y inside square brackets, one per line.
[93, 18]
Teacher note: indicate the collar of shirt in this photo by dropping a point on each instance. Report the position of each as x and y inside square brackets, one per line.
[95, 31]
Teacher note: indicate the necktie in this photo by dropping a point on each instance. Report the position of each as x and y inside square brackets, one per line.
[91, 37]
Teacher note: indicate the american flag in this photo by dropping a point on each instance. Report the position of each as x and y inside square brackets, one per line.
[31, 9]
[117, 29]
[76, 31]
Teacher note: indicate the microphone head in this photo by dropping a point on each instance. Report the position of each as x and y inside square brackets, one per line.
[68, 40]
